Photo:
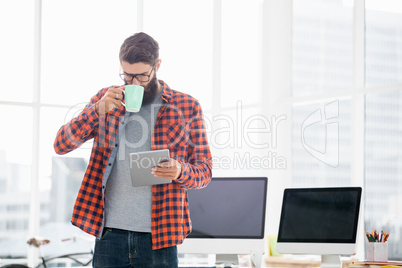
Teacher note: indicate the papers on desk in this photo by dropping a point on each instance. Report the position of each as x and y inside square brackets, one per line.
[292, 261]
[376, 264]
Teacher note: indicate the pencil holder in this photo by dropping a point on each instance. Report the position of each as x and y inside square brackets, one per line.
[377, 251]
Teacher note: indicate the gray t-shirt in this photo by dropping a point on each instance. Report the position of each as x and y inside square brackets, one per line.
[128, 207]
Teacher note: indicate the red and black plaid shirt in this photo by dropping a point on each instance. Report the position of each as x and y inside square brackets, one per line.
[179, 127]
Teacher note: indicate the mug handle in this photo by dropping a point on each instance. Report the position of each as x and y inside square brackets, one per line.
[124, 92]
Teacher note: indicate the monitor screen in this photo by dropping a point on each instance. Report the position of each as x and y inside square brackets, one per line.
[320, 215]
[229, 208]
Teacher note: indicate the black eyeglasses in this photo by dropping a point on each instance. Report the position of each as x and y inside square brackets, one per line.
[128, 78]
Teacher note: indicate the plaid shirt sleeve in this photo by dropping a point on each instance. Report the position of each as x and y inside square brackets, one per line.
[88, 207]
[181, 129]
[197, 167]
[80, 129]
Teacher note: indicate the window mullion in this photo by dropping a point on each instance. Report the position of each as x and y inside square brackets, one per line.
[34, 216]
[358, 95]
[140, 15]
[357, 118]
[276, 66]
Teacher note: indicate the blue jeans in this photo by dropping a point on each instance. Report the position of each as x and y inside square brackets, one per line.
[126, 249]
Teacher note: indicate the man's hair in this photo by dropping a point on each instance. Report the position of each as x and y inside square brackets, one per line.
[139, 47]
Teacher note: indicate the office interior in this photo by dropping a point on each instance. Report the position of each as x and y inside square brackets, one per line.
[307, 93]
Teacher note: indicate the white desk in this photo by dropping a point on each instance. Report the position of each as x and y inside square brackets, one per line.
[208, 260]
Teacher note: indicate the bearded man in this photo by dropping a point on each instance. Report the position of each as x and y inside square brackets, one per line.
[138, 226]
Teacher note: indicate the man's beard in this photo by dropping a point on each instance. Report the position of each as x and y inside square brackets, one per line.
[150, 91]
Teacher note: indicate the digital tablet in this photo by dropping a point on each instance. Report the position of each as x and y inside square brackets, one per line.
[141, 164]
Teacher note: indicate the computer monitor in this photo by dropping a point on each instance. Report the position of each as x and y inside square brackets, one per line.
[320, 221]
[228, 218]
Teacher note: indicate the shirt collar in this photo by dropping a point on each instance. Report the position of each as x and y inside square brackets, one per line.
[166, 91]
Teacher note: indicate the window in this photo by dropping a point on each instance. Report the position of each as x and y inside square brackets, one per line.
[16, 50]
[79, 57]
[16, 134]
[322, 63]
[383, 112]
[183, 30]
[322, 77]
[383, 43]
[321, 146]
[322, 47]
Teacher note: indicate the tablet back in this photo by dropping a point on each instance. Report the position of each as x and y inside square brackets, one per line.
[141, 166]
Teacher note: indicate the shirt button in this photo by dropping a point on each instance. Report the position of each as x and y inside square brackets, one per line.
[110, 164]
